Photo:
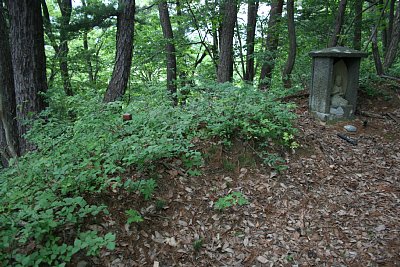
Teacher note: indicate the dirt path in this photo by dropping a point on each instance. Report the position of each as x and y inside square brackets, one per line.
[336, 205]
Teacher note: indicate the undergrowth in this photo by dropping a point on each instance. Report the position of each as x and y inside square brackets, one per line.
[83, 148]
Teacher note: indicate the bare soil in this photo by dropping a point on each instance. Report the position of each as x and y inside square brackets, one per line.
[337, 204]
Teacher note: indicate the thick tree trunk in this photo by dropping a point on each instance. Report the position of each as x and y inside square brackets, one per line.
[66, 10]
[395, 40]
[271, 44]
[225, 65]
[338, 23]
[357, 24]
[292, 45]
[8, 124]
[29, 63]
[252, 9]
[169, 48]
[123, 55]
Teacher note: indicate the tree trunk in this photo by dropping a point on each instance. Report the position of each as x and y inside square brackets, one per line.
[66, 10]
[252, 9]
[376, 55]
[8, 124]
[395, 40]
[358, 4]
[271, 44]
[29, 62]
[88, 55]
[292, 45]
[391, 20]
[123, 55]
[169, 48]
[338, 23]
[225, 65]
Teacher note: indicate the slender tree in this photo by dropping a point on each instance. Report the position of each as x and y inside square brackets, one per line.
[292, 45]
[271, 44]
[8, 124]
[123, 55]
[338, 23]
[393, 46]
[66, 10]
[225, 65]
[60, 47]
[88, 56]
[169, 48]
[357, 24]
[29, 63]
[252, 9]
[391, 20]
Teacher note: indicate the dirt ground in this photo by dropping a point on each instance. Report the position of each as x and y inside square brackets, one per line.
[337, 204]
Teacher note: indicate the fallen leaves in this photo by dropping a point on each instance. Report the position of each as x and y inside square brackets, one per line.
[336, 205]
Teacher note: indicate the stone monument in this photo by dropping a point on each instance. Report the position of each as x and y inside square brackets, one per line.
[334, 84]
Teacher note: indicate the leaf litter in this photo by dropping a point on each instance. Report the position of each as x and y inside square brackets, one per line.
[335, 205]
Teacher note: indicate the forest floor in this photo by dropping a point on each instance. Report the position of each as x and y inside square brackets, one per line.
[337, 204]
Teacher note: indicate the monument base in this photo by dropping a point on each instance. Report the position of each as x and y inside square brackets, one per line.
[336, 113]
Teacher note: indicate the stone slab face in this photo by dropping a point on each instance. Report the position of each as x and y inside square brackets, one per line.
[326, 80]
[321, 81]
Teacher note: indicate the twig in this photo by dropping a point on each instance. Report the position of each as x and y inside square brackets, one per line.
[393, 117]
[348, 139]
[371, 115]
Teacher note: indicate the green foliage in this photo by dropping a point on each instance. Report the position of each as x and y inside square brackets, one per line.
[197, 244]
[160, 204]
[133, 216]
[273, 160]
[145, 187]
[233, 199]
[83, 148]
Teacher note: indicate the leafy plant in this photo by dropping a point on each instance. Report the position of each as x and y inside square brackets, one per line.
[197, 244]
[133, 216]
[83, 148]
[160, 204]
[232, 199]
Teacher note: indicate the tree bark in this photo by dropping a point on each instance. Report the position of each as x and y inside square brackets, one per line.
[29, 62]
[66, 10]
[88, 55]
[8, 124]
[391, 20]
[271, 44]
[123, 55]
[395, 40]
[252, 9]
[225, 64]
[169, 48]
[376, 55]
[358, 4]
[338, 23]
[292, 45]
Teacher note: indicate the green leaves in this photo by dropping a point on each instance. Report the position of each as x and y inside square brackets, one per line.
[79, 155]
[232, 199]
[133, 216]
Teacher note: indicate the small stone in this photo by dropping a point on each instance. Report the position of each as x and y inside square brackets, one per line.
[350, 128]
[262, 259]
[337, 111]
[380, 228]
